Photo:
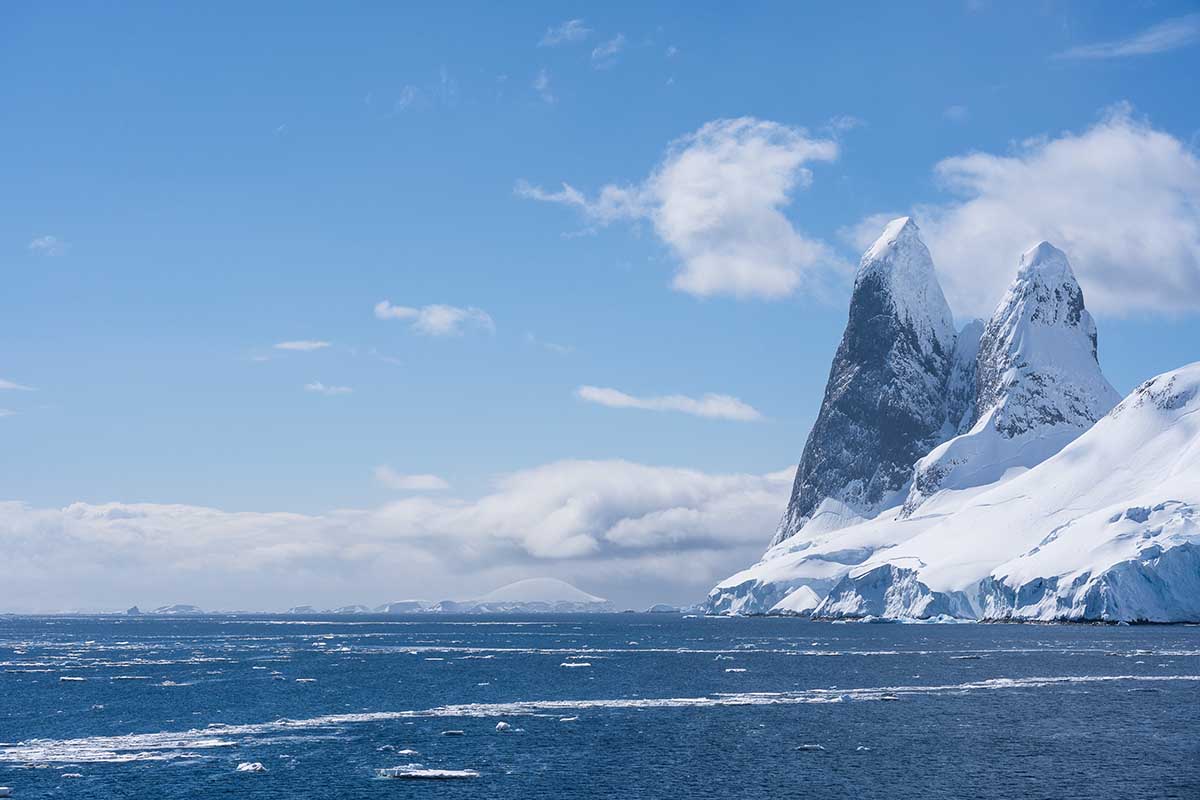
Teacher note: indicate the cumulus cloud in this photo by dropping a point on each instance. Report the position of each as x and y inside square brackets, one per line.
[1170, 34]
[1122, 199]
[303, 345]
[321, 388]
[437, 320]
[605, 524]
[605, 54]
[713, 406]
[48, 246]
[392, 479]
[569, 32]
[717, 202]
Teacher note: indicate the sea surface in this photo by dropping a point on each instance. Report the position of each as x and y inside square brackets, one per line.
[612, 706]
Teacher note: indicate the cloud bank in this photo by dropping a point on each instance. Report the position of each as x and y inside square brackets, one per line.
[617, 527]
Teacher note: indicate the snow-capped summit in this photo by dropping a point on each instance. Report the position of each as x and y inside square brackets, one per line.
[885, 402]
[1038, 383]
[900, 260]
[540, 590]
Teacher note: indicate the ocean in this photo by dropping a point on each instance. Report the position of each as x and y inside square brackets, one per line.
[611, 706]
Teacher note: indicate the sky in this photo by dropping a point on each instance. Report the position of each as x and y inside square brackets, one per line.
[313, 304]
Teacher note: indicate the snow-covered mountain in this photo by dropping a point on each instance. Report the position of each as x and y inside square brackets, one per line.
[1107, 529]
[885, 402]
[1038, 383]
[1021, 505]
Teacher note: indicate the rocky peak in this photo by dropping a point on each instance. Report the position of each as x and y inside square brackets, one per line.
[1037, 359]
[885, 401]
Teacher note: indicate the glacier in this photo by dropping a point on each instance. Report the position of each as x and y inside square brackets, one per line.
[1042, 496]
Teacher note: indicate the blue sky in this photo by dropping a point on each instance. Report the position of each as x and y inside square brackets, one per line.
[187, 188]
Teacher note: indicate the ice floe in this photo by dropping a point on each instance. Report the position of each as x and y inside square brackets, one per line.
[413, 772]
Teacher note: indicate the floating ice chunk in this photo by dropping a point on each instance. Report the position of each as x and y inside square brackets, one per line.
[735, 669]
[414, 773]
[454, 733]
[72, 775]
[407, 752]
[811, 747]
[71, 679]
[502, 726]
[251, 766]
[568, 719]
[386, 748]
[575, 664]
[5, 791]
[306, 680]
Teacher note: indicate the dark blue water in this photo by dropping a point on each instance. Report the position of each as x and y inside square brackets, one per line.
[667, 707]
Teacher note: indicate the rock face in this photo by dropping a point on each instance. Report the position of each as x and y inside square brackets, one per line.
[885, 403]
[1038, 383]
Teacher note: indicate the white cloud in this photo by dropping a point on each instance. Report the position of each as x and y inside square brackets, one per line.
[573, 30]
[409, 483]
[605, 54]
[321, 388]
[48, 246]
[541, 85]
[1122, 199]
[713, 406]
[303, 345]
[7, 412]
[957, 114]
[437, 320]
[603, 524]
[9, 385]
[717, 202]
[1168, 35]
[553, 347]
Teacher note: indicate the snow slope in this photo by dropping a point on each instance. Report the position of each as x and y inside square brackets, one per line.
[1107, 529]
[540, 590]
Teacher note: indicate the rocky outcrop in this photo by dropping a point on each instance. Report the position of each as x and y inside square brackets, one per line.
[885, 401]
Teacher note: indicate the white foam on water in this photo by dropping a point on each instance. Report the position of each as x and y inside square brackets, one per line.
[166, 745]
